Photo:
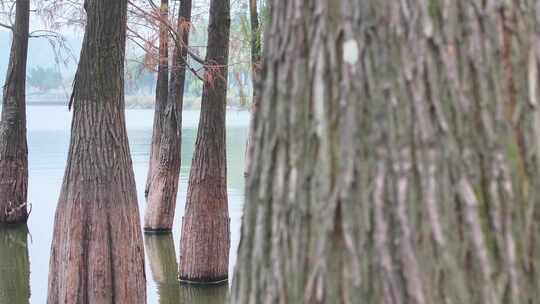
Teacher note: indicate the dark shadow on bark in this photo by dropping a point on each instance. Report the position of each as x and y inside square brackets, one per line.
[14, 265]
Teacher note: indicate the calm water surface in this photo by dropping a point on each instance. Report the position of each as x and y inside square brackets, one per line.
[24, 251]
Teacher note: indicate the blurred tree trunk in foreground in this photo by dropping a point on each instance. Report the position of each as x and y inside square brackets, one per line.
[205, 240]
[397, 155]
[13, 146]
[97, 251]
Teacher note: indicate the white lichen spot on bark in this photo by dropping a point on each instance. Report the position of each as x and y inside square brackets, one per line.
[350, 51]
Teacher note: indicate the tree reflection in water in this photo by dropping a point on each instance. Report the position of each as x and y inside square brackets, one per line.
[164, 267]
[14, 265]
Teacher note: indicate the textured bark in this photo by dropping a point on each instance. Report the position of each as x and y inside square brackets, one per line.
[13, 146]
[97, 251]
[255, 75]
[396, 155]
[205, 240]
[162, 259]
[14, 265]
[164, 169]
[162, 90]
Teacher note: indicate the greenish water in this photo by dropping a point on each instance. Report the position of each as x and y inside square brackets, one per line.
[24, 252]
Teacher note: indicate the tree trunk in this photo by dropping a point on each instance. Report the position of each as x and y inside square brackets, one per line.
[14, 265]
[97, 249]
[162, 259]
[165, 169]
[13, 146]
[162, 91]
[205, 240]
[386, 166]
[255, 71]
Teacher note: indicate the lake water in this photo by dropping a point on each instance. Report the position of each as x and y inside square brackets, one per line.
[24, 251]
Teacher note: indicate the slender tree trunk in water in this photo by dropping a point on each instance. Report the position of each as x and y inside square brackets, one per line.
[256, 63]
[162, 180]
[14, 265]
[162, 90]
[366, 180]
[205, 241]
[13, 147]
[97, 250]
[165, 169]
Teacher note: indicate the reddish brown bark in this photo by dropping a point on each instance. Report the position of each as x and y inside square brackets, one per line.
[165, 160]
[205, 241]
[97, 250]
[162, 90]
[157, 178]
[13, 146]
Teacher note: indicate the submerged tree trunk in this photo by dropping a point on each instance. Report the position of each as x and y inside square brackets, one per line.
[163, 180]
[13, 146]
[205, 240]
[97, 250]
[386, 168]
[255, 75]
[155, 184]
[14, 265]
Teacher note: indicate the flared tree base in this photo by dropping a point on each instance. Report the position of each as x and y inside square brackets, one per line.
[204, 249]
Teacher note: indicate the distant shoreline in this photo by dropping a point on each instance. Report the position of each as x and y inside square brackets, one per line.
[128, 105]
[133, 104]
[46, 103]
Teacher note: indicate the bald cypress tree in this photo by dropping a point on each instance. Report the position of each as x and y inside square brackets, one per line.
[205, 240]
[165, 159]
[13, 146]
[97, 251]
